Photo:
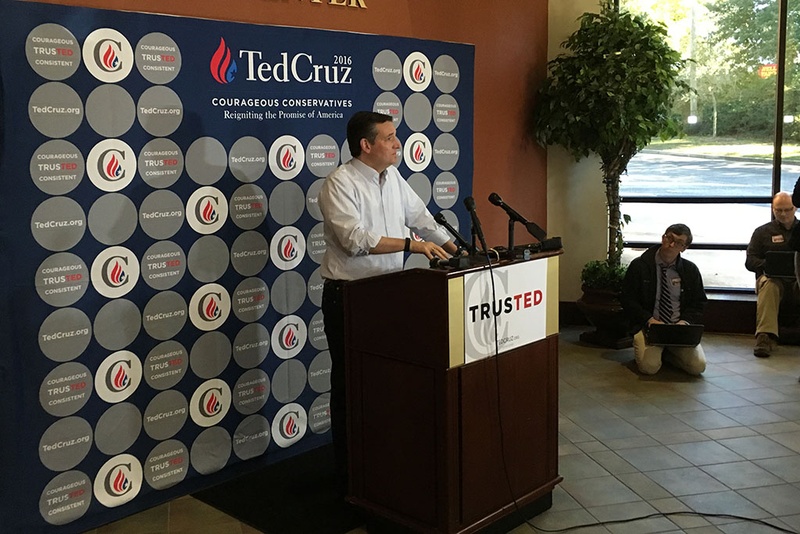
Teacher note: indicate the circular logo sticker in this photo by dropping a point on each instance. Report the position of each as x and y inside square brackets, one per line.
[65, 334]
[158, 58]
[289, 337]
[58, 224]
[57, 167]
[248, 159]
[62, 279]
[111, 165]
[289, 425]
[55, 109]
[207, 210]
[288, 248]
[66, 389]
[163, 265]
[165, 365]
[108, 55]
[286, 157]
[166, 465]
[210, 402]
[251, 437]
[165, 415]
[417, 71]
[118, 481]
[160, 163]
[65, 443]
[115, 272]
[118, 376]
[209, 307]
[206, 161]
[417, 152]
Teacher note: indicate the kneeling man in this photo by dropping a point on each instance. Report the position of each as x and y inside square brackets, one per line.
[662, 287]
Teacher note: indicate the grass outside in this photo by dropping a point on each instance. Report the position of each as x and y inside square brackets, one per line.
[725, 147]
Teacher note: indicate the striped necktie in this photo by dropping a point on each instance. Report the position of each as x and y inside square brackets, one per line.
[664, 299]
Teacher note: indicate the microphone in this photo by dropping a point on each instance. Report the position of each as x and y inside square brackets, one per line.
[441, 219]
[469, 202]
[532, 227]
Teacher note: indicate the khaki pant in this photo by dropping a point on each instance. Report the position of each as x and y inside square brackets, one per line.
[649, 357]
[770, 292]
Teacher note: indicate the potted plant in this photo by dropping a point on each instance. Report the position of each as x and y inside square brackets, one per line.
[609, 94]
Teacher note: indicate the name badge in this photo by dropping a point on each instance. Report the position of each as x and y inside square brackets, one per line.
[676, 282]
[777, 239]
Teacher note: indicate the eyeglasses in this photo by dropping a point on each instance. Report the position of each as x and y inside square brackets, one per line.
[783, 210]
[672, 239]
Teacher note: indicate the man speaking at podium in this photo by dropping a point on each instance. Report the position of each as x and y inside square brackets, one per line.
[367, 209]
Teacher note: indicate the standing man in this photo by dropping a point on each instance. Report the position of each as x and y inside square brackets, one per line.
[662, 287]
[367, 209]
[772, 236]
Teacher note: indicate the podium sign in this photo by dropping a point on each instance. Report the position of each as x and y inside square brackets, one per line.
[504, 308]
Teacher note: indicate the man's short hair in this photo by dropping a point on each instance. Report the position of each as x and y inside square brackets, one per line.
[362, 126]
[680, 229]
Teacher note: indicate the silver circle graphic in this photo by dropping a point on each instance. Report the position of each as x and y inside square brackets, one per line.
[66, 389]
[161, 214]
[446, 113]
[65, 443]
[312, 201]
[55, 109]
[322, 155]
[118, 428]
[110, 110]
[248, 206]
[319, 372]
[158, 58]
[316, 243]
[65, 334]
[117, 324]
[163, 265]
[62, 279]
[387, 70]
[160, 111]
[57, 167]
[165, 365]
[166, 465]
[251, 391]
[164, 315]
[445, 190]
[208, 259]
[287, 202]
[210, 355]
[248, 159]
[160, 163]
[206, 161]
[251, 345]
[421, 186]
[288, 292]
[52, 51]
[58, 224]
[250, 253]
[112, 219]
[446, 73]
[211, 450]
[251, 438]
[446, 151]
[417, 112]
[389, 104]
[166, 415]
[250, 299]
[66, 498]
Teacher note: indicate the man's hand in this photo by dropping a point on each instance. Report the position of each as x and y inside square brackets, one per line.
[429, 248]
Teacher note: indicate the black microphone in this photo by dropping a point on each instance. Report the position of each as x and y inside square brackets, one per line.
[532, 227]
[441, 219]
[469, 202]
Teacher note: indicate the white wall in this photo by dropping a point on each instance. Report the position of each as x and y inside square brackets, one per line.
[576, 208]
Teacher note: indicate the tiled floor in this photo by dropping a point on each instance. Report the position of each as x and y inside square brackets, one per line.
[631, 446]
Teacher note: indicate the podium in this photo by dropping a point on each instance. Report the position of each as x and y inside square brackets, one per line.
[440, 441]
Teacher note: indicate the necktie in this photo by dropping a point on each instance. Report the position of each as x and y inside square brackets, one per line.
[664, 299]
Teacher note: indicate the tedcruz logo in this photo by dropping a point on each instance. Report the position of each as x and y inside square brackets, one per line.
[108, 55]
[118, 481]
[210, 402]
[210, 405]
[290, 425]
[115, 272]
[118, 376]
[289, 337]
[286, 157]
[286, 161]
[287, 248]
[111, 165]
[223, 66]
[210, 307]
[207, 210]
[417, 71]
[417, 152]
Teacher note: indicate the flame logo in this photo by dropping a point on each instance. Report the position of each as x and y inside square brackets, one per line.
[117, 275]
[289, 251]
[121, 378]
[110, 58]
[290, 426]
[290, 338]
[121, 483]
[212, 310]
[212, 404]
[418, 154]
[223, 66]
[209, 214]
[418, 72]
[287, 159]
[113, 168]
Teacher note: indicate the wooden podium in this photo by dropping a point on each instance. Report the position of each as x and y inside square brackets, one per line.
[437, 444]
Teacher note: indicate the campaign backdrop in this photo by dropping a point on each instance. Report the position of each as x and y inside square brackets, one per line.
[160, 242]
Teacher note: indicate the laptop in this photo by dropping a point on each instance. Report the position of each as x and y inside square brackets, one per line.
[674, 335]
[779, 264]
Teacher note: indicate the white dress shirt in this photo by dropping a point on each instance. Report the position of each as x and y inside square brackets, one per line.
[359, 206]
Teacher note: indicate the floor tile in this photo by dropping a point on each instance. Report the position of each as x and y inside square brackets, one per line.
[653, 458]
[686, 481]
[739, 475]
[600, 491]
[777, 500]
[756, 447]
[705, 452]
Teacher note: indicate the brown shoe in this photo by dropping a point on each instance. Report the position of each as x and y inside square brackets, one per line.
[763, 346]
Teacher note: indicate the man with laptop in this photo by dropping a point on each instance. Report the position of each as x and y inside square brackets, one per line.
[771, 258]
[664, 298]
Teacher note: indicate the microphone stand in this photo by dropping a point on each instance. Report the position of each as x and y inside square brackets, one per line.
[510, 251]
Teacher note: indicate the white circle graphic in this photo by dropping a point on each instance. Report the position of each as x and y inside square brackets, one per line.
[289, 336]
[290, 425]
[287, 248]
[210, 307]
[210, 402]
[207, 210]
[118, 376]
[417, 71]
[286, 157]
[108, 55]
[118, 481]
[417, 152]
[115, 272]
[111, 165]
